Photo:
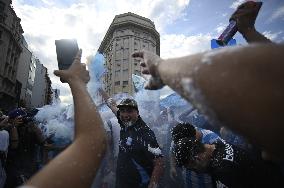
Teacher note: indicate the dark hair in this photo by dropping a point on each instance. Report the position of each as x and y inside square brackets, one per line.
[183, 130]
[186, 149]
[16, 113]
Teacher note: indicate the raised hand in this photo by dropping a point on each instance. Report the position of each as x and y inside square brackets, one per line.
[149, 64]
[76, 72]
[245, 15]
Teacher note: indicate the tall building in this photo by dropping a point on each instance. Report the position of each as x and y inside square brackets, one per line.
[41, 94]
[127, 33]
[10, 49]
[26, 74]
[55, 95]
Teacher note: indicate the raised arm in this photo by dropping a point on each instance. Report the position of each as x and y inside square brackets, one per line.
[109, 101]
[157, 172]
[239, 87]
[245, 16]
[77, 165]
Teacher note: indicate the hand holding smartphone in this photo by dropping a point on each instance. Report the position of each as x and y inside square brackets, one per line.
[66, 50]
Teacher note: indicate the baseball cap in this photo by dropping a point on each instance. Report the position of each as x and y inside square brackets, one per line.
[128, 102]
[16, 113]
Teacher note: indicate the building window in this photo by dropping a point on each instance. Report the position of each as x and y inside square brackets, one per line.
[125, 83]
[117, 83]
[125, 72]
[117, 72]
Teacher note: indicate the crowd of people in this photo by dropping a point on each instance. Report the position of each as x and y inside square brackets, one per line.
[237, 88]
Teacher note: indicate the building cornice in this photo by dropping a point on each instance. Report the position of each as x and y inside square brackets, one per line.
[126, 20]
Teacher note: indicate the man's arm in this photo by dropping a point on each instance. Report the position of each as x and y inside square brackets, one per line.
[245, 16]
[109, 101]
[77, 165]
[157, 172]
[173, 169]
[240, 87]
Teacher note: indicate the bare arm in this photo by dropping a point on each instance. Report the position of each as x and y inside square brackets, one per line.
[109, 101]
[77, 165]
[14, 138]
[157, 172]
[173, 170]
[239, 87]
[252, 35]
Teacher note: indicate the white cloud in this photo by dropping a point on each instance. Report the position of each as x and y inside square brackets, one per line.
[225, 14]
[220, 28]
[173, 45]
[270, 35]
[236, 3]
[87, 21]
[279, 13]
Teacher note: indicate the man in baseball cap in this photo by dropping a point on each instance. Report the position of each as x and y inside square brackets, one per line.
[139, 162]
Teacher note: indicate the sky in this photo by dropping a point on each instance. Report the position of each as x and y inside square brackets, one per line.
[185, 26]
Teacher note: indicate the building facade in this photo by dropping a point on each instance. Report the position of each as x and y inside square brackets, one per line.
[26, 74]
[55, 95]
[41, 91]
[10, 49]
[127, 33]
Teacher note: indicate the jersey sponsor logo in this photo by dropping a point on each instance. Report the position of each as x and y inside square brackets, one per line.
[229, 153]
[129, 141]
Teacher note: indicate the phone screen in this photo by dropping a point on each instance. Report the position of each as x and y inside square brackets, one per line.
[66, 50]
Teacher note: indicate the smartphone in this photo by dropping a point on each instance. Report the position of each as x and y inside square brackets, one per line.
[66, 50]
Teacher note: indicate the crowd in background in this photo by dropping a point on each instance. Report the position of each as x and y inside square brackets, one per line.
[24, 148]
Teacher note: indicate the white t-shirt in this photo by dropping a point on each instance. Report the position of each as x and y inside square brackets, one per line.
[4, 140]
[4, 143]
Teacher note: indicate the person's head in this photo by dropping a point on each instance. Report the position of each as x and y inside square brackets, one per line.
[171, 114]
[190, 153]
[163, 115]
[183, 130]
[128, 111]
[17, 114]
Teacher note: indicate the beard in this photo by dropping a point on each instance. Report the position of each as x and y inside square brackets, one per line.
[128, 123]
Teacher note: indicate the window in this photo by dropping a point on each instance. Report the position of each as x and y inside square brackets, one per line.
[117, 83]
[117, 72]
[125, 83]
[125, 72]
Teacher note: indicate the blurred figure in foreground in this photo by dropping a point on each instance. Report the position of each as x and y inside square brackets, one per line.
[229, 165]
[77, 165]
[186, 130]
[248, 87]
